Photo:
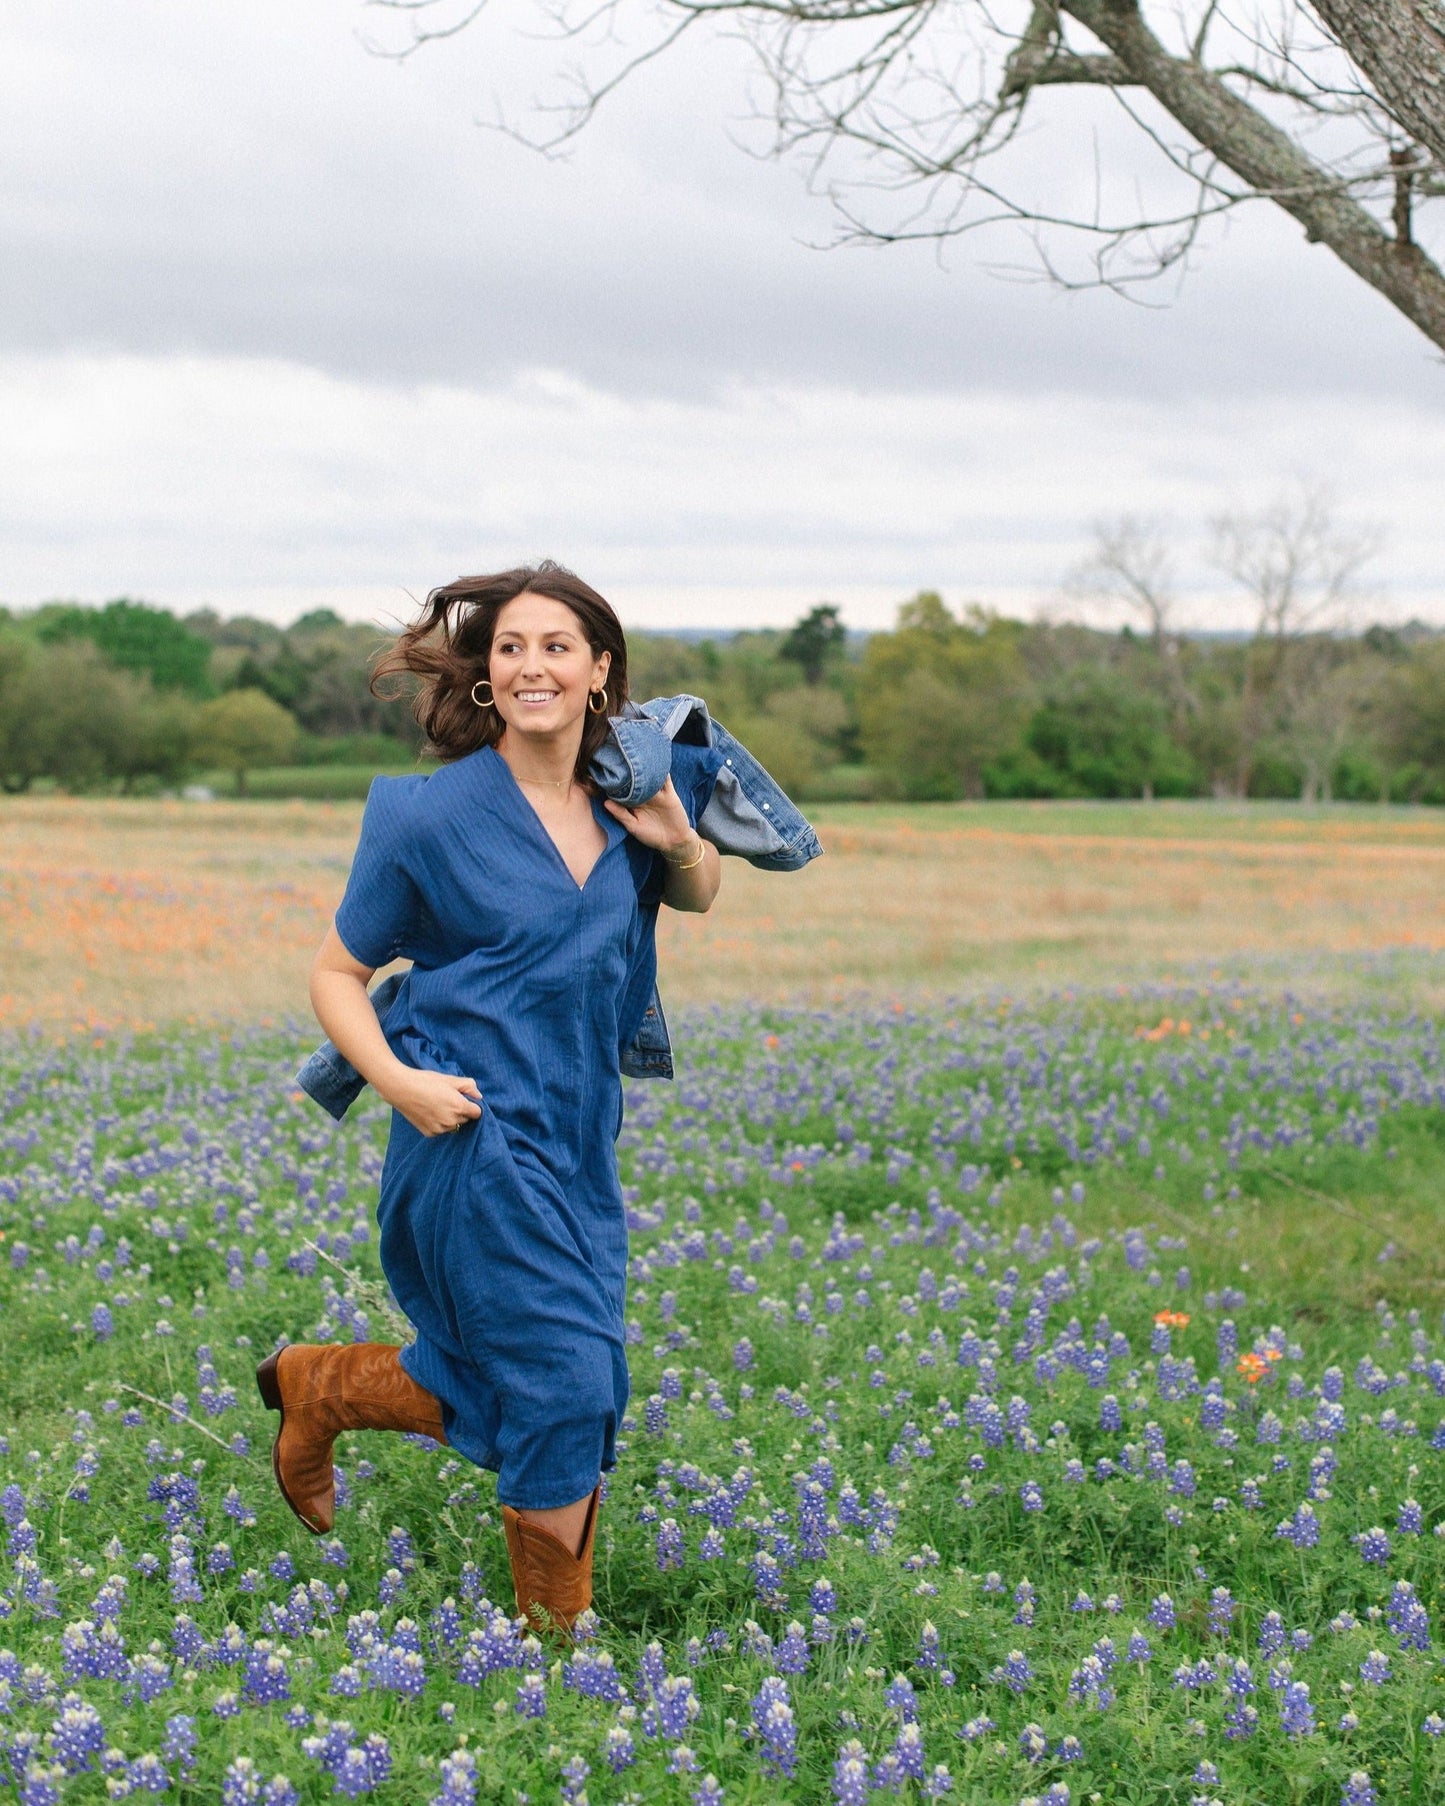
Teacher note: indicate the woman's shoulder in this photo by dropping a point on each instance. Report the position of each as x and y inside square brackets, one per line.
[417, 806]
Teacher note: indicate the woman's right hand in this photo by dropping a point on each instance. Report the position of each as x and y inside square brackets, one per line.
[436, 1103]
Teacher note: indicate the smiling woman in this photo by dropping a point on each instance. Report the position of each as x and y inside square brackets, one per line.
[528, 907]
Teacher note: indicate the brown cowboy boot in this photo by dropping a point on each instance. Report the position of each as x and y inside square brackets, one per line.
[321, 1390]
[553, 1585]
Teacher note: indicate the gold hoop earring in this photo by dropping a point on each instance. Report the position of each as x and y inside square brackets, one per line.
[603, 695]
[490, 702]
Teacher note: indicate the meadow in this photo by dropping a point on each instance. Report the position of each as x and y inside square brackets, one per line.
[118, 914]
[1035, 1323]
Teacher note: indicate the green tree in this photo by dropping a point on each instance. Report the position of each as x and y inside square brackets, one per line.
[133, 636]
[65, 714]
[815, 641]
[1411, 731]
[243, 731]
[941, 699]
[1107, 736]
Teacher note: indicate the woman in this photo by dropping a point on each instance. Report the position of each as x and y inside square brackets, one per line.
[528, 909]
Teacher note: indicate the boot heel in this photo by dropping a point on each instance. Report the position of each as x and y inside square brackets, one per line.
[267, 1383]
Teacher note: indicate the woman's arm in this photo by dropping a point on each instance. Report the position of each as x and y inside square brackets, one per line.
[693, 885]
[694, 869]
[434, 1102]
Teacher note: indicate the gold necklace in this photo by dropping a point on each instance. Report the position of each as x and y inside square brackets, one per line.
[555, 783]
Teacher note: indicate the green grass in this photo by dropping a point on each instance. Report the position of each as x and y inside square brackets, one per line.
[178, 1149]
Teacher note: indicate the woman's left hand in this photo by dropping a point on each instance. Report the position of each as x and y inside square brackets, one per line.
[660, 823]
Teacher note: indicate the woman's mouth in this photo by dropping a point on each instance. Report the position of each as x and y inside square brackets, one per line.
[535, 698]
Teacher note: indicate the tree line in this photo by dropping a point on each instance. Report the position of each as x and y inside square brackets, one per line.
[951, 703]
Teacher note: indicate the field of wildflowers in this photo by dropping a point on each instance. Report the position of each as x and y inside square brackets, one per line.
[119, 912]
[1031, 1404]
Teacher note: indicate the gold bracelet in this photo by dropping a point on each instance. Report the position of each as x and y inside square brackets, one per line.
[701, 855]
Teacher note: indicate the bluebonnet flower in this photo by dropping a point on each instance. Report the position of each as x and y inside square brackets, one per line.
[42, 1784]
[708, 1792]
[574, 1779]
[1375, 1669]
[1014, 1672]
[1410, 1519]
[147, 1774]
[900, 1697]
[792, 1654]
[180, 1741]
[77, 1735]
[674, 1706]
[1222, 1609]
[822, 1597]
[850, 1775]
[1407, 1618]
[619, 1747]
[670, 1547]
[531, 1697]
[1162, 1614]
[1358, 1791]
[1139, 1649]
[1296, 1714]
[1374, 1545]
[774, 1726]
[1303, 1529]
[458, 1780]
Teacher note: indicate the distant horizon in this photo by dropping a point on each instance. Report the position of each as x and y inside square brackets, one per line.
[1414, 626]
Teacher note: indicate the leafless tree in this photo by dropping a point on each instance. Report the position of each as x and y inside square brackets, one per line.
[1131, 564]
[1336, 702]
[924, 119]
[1294, 561]
[1299, 566]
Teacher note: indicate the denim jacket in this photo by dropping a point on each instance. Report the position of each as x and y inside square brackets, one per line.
[747, 815]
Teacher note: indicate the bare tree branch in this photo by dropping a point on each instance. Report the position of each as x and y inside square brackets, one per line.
[1243, 103]
[1400, 47]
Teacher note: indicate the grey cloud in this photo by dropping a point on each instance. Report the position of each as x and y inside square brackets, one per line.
[249, 181]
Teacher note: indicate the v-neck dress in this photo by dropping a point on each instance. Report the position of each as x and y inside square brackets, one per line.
[505, 1243]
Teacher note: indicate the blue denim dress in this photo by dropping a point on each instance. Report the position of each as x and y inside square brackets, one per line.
[506, 1242]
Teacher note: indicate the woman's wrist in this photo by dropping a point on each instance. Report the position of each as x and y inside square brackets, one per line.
[686, 853]
[390, 1081]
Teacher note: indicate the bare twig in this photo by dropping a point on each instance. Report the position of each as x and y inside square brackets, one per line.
[1344, 1210]
[183, 1417]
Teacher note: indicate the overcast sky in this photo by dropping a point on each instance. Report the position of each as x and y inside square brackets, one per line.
[280, 326]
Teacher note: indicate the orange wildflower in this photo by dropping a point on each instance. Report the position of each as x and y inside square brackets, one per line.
[1172, 1319]
[1252, 1368]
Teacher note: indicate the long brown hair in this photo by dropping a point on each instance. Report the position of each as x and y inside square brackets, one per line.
[448, 650]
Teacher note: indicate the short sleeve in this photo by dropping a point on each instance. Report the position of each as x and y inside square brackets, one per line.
[380, 915]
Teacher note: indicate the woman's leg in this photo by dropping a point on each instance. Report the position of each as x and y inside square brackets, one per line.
[321, 1390]
[568, 1523]
[551, 1556]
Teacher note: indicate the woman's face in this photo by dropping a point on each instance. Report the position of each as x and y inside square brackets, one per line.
[542, 669]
